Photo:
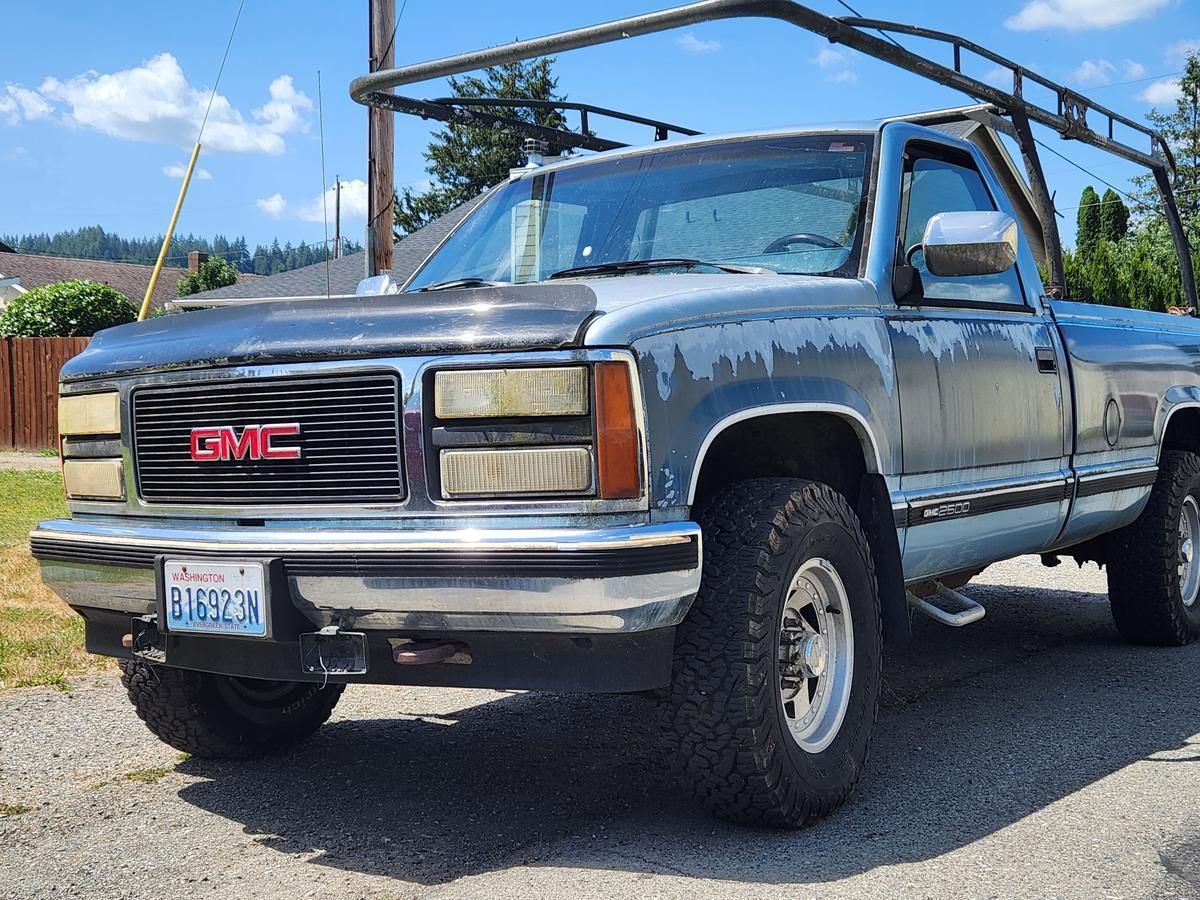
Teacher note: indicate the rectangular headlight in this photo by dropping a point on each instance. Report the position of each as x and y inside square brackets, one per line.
[497, 393]
[93, 479]
[89, 413]
[536, 470]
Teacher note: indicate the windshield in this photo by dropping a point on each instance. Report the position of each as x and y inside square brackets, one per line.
[785, 204]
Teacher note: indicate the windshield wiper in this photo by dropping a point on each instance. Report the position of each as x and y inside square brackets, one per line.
[459, 283]
[619, 267]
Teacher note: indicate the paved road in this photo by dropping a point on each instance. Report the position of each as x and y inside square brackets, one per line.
[1030, 755]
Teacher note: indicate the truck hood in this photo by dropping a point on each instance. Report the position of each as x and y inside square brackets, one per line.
[518, 317]
[547, 316]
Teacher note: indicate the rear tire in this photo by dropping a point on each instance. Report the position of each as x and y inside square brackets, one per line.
[784, 559]
[222, 717]
[1154, 562]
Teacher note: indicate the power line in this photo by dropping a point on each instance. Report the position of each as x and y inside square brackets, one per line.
[220, 70]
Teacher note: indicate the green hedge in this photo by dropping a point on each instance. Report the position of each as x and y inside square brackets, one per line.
[77, 308]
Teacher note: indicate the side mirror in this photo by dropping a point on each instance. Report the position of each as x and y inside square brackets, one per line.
[970, 243]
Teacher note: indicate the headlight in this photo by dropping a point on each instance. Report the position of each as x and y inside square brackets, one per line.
[80, 414]
[498, 393]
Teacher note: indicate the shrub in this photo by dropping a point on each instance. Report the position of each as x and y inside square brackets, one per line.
[214, 273]
[76, 308]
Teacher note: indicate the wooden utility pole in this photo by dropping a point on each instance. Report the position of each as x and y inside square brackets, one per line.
[380, 145]
[337, 216]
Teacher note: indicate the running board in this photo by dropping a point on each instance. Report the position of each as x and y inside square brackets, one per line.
[970, 610]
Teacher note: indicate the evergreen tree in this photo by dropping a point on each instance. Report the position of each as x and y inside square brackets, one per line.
[1088, 221]
[1114, 217]
[466, 161]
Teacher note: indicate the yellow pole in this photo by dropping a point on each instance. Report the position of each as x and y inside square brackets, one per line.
[162, 254]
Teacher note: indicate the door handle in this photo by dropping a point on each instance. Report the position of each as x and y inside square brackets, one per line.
[1047, 362]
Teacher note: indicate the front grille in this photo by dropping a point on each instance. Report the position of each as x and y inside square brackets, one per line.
[349, 441]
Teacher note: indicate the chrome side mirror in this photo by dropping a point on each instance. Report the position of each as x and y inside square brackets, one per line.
[970, 243]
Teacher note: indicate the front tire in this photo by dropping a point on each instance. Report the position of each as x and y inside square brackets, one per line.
[222, 717]
[1154, 563]
[777, 665]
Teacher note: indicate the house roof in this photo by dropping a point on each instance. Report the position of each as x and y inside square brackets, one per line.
[344, 273]
[130, 279]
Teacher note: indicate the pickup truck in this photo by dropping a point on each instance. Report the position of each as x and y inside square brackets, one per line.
[706, 419]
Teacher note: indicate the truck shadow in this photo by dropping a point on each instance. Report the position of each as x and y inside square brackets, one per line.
[979, 728]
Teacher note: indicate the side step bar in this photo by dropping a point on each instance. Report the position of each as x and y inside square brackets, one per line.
[969, 611]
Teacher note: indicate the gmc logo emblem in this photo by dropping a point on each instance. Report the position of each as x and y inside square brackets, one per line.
[221, 443]
[947, 509]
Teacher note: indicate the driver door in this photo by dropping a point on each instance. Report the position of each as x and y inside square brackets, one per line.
[981, 398]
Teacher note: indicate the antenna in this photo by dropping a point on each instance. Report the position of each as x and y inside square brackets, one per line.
[324, 204]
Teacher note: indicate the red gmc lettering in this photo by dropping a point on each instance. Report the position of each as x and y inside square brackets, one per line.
[224, 442]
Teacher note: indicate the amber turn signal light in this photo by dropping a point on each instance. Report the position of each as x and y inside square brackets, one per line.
[616, 433]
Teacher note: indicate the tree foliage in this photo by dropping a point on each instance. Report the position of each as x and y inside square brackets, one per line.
[1087, 222]
[1114, 217]
[76, 308]
[93, 242]
[464, 161]
[1130, 260]
[213, 273]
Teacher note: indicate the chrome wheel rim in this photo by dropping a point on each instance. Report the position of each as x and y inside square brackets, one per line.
[816, 655]
[1189, 535]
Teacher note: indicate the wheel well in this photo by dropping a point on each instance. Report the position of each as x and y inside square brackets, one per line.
[1183, 431]
[819, 446]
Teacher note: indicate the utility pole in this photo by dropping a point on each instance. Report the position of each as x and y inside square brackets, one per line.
[380, 145]
[337, 216]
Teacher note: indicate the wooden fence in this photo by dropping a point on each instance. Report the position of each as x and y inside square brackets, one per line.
[29, 390]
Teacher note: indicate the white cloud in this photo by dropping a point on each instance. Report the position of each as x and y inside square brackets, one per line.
[1162, 93]
[274, 206]
[17, 103]
[1179, 51]
[829, 57]
[1134, 69]
[693, 44]
[1097, 71]
[999, 77]
[354, 204]
[1077, 15]
[154, 102]
[178, 170]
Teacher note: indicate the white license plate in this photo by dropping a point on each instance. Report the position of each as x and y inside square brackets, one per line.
[215, 597]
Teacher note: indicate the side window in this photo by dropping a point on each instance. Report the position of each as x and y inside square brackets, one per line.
[932, 186]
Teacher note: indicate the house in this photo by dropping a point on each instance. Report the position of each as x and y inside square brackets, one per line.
[344, 273]
[21, 271]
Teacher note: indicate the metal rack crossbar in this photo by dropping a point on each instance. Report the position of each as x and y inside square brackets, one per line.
[1069, 117]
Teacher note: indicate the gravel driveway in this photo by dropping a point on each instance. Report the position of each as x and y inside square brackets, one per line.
[1031, 754]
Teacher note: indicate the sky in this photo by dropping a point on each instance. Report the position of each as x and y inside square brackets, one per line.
[100, 102]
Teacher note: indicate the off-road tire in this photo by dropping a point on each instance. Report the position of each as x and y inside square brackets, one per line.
[215, 717]
[723, 718]
[1143, 559]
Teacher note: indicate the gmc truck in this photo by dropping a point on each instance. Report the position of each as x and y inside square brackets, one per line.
[707, 419]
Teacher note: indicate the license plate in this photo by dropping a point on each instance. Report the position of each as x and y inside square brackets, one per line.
[215, 597]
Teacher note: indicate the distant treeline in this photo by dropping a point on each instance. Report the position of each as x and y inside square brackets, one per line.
[95, 243]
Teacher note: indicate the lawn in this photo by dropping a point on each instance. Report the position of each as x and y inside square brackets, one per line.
[41, 640]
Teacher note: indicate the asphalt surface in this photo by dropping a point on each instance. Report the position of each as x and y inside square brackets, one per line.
[1029, 755]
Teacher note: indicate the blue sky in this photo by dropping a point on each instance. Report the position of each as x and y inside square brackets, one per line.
[99, 102]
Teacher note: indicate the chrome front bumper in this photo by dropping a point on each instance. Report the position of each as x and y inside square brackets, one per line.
[604, 580]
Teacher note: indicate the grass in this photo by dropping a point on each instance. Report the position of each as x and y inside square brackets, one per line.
[138, 776]
[41, 639]
[13, 809]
